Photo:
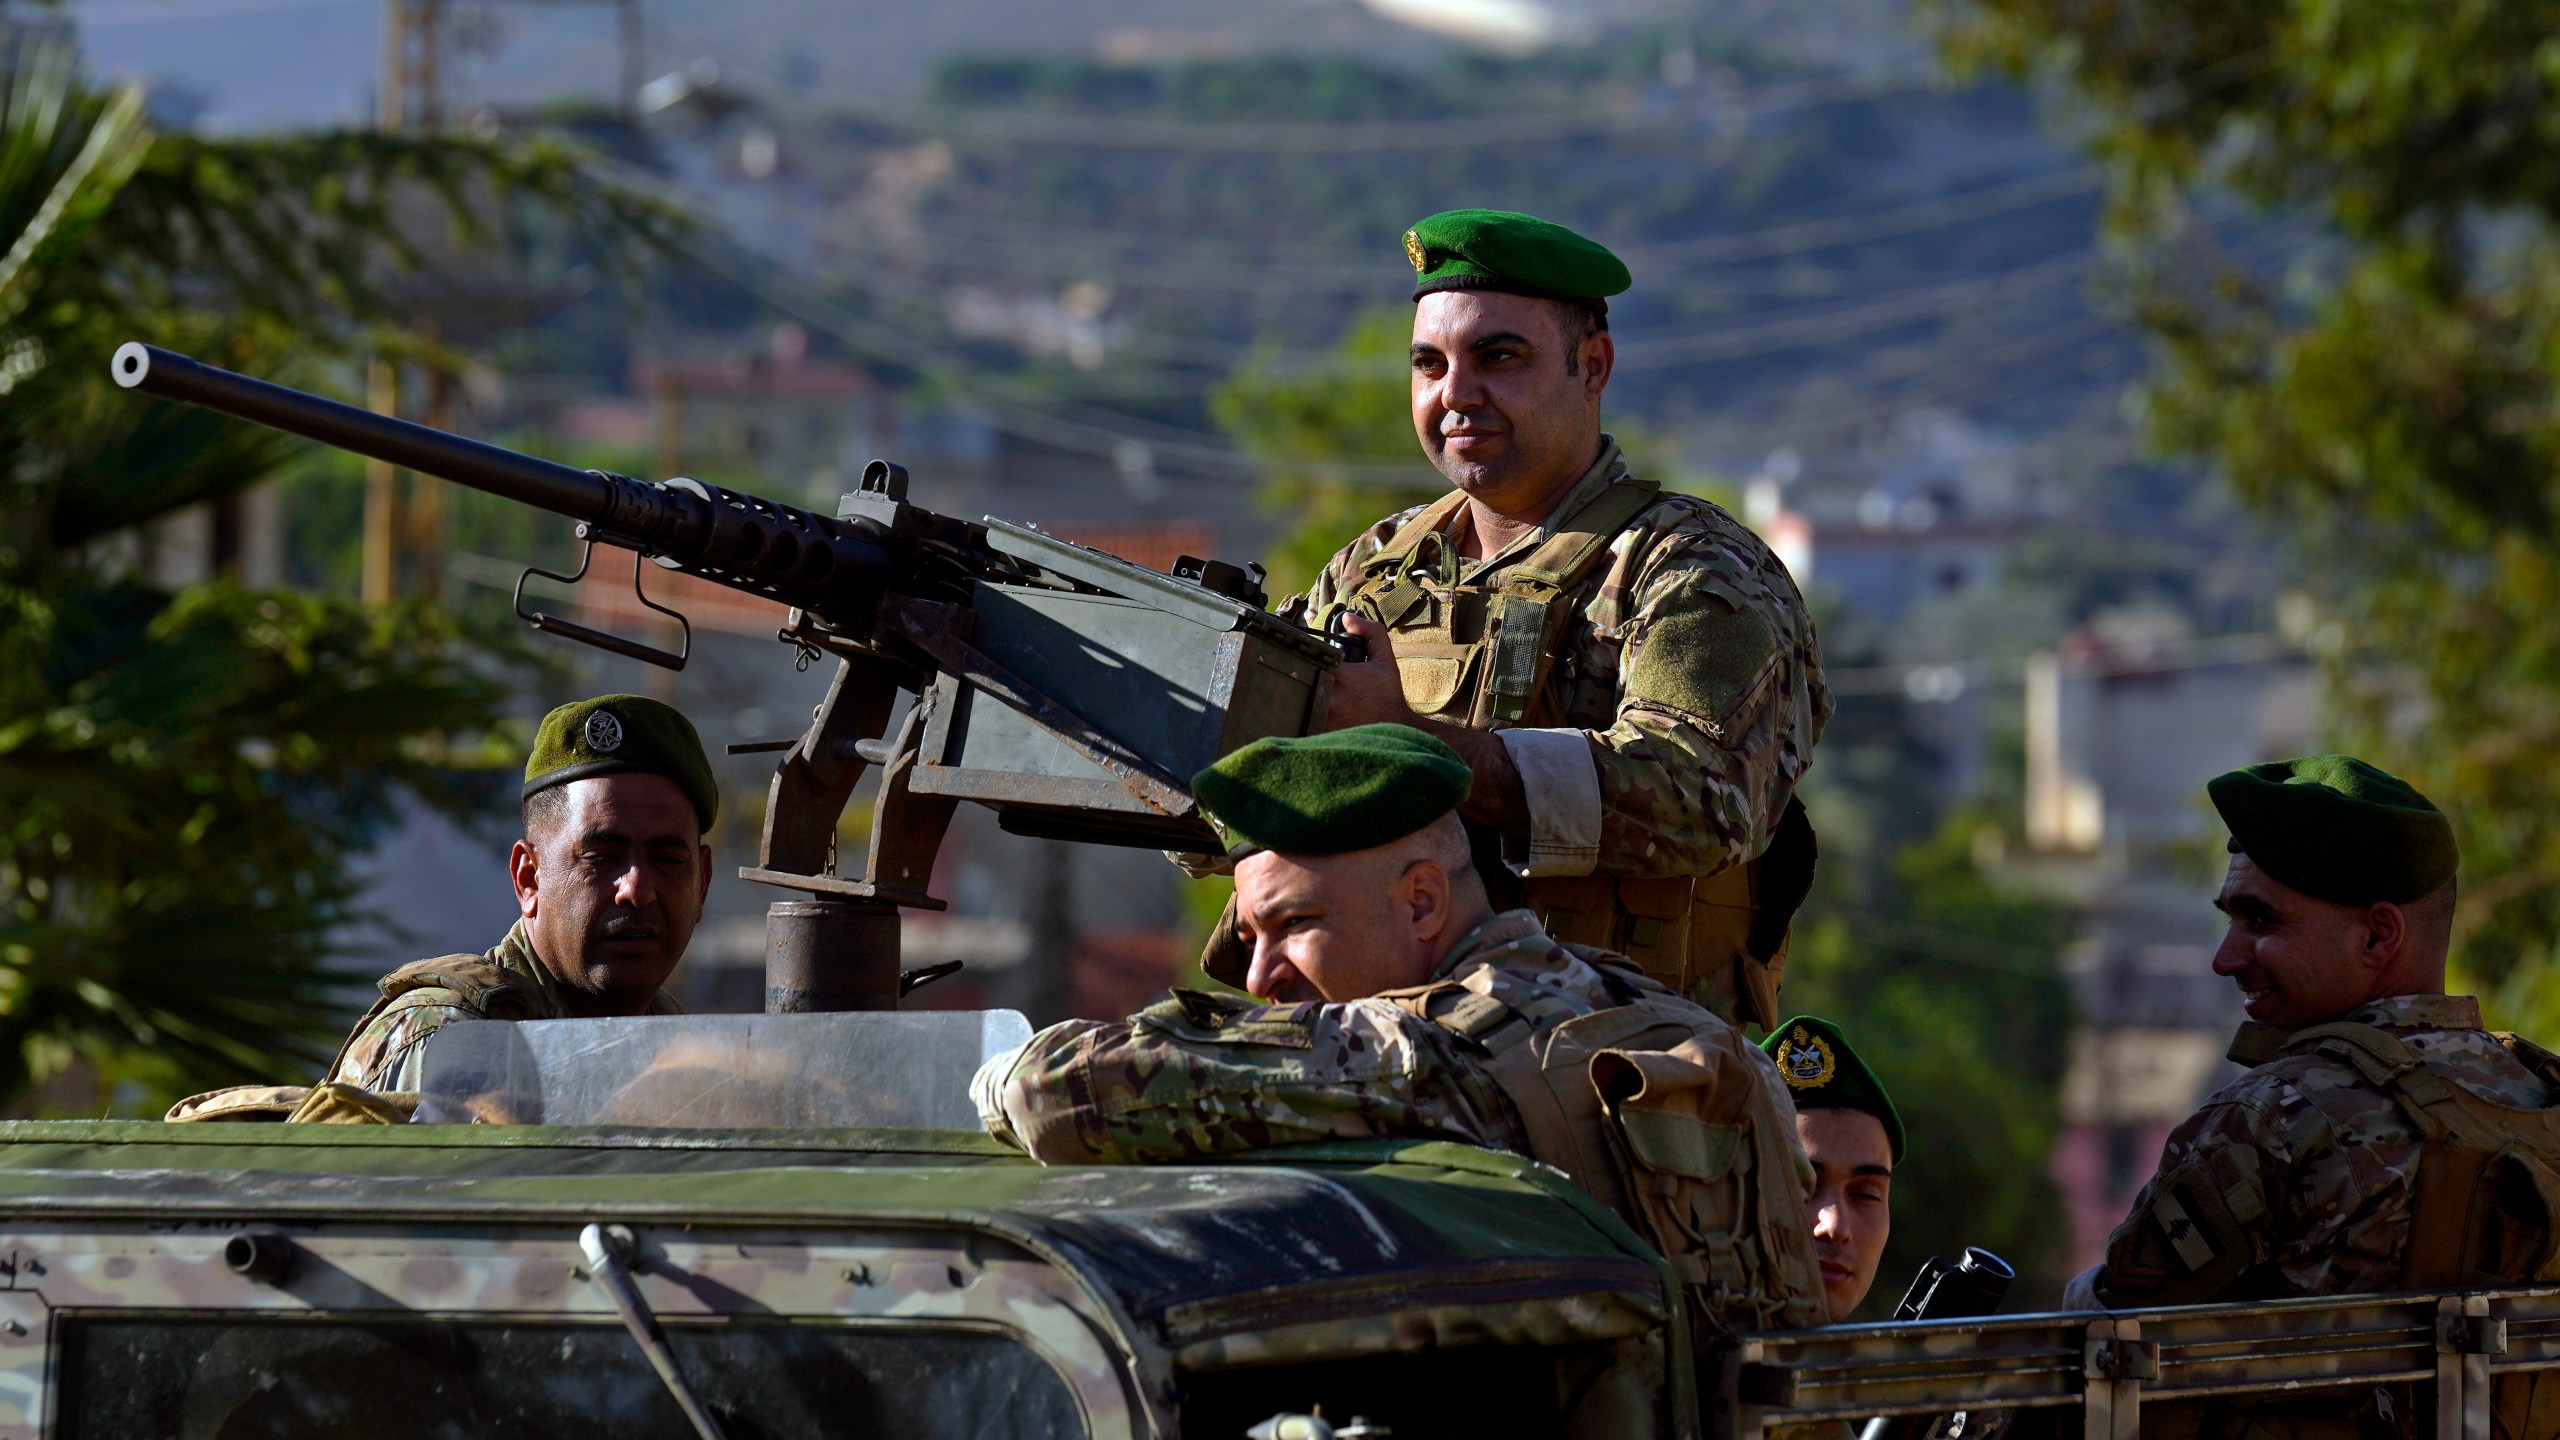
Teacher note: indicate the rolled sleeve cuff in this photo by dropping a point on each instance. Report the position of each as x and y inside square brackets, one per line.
[986, 1090]
[1562, 781]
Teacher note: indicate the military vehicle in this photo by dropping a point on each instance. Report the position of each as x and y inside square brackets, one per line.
[424, 1280]
[789, 1225]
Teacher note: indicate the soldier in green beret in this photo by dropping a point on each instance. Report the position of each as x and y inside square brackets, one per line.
[1629, 674]
[609, 876]
[2348, 1157]
[1390, 999]
[1853, 1136]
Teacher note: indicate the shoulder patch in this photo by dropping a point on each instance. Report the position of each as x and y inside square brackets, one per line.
[1201, 1017]
[1705, 657]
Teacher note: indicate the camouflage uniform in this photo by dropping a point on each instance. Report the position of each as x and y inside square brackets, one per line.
[2314, 1164]
[1681, 791]
[506, 983]
[1201, 1074]
[1674, 708]
[1512, 1044]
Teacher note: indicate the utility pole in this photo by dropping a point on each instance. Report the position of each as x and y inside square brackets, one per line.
[410, 97]
[406, 88]
[627, 104]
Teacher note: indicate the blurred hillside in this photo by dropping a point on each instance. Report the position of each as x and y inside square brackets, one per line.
[1132, 272]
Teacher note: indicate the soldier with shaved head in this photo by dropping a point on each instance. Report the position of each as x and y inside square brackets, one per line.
[1390, 1000]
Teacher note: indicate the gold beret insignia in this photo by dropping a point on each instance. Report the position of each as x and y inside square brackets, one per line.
[1806, 1060]
[1413, 251]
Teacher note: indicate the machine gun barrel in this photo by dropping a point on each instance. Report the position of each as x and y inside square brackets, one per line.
[831, 567]
[578, 494]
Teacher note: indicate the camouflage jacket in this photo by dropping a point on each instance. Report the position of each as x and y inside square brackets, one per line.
[2314, 1165]
[1200, 1074]
[381, 1054]
[1656, 769]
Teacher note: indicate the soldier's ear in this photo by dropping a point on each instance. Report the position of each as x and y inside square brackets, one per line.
[1424, 889]
[1599, 361]
[524, 871]
[2386, 933]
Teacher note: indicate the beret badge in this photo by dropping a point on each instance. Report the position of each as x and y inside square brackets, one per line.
[603, 732]
[1806, 1060]
[1413, 250]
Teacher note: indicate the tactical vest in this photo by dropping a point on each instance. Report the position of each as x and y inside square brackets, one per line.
[1482, 655]
[2487, 1207]
[2486, 1213]
[1677, 1126]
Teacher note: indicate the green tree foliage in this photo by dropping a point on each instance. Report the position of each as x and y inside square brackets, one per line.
[186, 775]
[1334, 440]
[1947, 985]
[2386, 396]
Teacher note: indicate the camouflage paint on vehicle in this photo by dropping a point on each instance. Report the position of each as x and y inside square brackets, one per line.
[1133, 1284]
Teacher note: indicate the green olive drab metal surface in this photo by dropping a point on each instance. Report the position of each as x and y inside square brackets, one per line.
[1145, 1294]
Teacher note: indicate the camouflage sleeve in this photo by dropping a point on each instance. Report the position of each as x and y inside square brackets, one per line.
[2297, 1180]
[1720, 700]
[1201, 1075]
[2184, 1241]
[383, 1053]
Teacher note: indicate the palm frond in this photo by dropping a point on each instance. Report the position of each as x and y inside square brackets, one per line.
[64, 155]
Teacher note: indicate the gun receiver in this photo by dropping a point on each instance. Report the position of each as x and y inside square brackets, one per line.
[1070, 691]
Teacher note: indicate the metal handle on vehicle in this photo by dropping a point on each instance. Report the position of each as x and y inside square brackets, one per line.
[608, 1251]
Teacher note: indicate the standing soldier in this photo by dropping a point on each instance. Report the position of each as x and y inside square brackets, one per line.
[1631, 675]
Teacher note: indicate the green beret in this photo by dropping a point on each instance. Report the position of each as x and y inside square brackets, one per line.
[618, 735]
[1521, 254]
[1333, 793]
[2337, 829]
[1823, 1073]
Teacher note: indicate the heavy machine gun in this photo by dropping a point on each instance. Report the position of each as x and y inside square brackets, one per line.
[1071, 692]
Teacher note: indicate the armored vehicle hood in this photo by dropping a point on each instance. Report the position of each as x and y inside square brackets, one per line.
[226, 1272]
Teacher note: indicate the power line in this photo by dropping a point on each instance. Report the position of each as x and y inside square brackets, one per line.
[1077, 253]
[2168, 657]
[1688, 345]
[1031, 127]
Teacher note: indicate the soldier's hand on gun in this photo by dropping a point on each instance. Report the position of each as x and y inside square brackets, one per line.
[1370, 692]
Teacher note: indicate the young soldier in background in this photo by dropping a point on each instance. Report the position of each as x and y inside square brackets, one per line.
[1854, 1137]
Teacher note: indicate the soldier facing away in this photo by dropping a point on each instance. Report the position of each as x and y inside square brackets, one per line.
[1389, 1000]
[1630, 675]
[2361, 1151]
[610, 877]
